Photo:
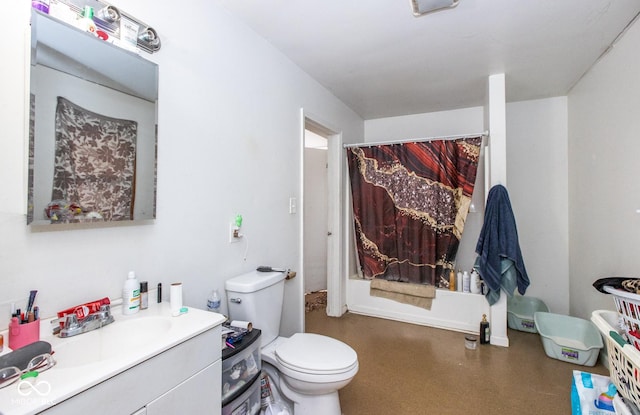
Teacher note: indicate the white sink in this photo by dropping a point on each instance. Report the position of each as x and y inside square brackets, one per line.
[118, 339]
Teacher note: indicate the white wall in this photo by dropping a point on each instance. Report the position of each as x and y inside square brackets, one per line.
[315, 219]
[537, 184]
[604, 190]
[536, 177]
[229, 142]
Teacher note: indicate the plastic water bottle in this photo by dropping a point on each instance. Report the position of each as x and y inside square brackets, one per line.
[213, 302]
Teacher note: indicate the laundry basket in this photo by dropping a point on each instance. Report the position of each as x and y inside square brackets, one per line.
[624, 360]
[628, 306]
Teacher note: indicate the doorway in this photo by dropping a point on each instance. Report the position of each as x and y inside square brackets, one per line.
[321, 221]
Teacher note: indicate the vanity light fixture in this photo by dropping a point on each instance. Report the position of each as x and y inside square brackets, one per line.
[422, 7]
[109, 14]
[150, 36]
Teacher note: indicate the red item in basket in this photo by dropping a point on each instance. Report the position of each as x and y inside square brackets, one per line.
[83, 310]
[635, 334]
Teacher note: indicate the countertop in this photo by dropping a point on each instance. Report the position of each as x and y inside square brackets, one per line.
[67, 379]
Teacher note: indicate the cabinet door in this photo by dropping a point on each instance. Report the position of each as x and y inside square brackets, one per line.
[200, 394]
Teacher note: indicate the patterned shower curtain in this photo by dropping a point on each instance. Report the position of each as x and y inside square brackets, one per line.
[410, 203]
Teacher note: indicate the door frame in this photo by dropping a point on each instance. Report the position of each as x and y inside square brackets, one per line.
[336, 284]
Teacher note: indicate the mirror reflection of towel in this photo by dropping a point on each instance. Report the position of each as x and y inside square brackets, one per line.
[500, 263]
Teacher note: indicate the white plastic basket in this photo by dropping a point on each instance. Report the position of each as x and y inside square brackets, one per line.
[624, 360]
[628, 306]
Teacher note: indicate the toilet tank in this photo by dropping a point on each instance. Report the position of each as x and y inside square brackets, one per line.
[257, 297]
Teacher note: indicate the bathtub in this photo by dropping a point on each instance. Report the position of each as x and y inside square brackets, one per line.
[450, 310]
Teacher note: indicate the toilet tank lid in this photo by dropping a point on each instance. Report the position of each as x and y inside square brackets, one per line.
[253, 281]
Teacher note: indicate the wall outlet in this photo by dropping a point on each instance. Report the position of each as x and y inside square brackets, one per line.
[234, 233]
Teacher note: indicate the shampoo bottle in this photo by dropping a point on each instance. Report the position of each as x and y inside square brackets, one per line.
[466, 282]
[131, 295]
[475, 282]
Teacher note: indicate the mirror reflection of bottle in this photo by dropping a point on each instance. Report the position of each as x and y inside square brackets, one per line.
[86, 22]
[42, 5]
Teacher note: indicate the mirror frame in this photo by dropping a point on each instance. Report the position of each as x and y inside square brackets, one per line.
[126, 87]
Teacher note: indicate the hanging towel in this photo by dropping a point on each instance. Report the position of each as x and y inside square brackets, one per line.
[500, 262]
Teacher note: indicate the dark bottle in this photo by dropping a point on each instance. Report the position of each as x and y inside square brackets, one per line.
[485, 333]
[144, 295]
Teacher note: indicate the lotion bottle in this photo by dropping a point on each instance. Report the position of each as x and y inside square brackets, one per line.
[131, 295]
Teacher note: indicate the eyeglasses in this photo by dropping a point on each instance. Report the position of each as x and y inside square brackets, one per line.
[11, 374]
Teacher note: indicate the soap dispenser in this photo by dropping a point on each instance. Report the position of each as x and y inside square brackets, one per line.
[131, 295]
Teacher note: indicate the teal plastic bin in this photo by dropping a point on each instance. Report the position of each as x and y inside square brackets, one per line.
[567, 338]
[520, 311]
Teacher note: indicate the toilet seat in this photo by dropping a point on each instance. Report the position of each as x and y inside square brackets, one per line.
[314, 354]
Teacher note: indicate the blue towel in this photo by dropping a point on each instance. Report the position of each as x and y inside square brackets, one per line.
[500, 262]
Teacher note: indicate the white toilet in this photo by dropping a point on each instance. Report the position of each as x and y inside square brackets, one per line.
[308, 369]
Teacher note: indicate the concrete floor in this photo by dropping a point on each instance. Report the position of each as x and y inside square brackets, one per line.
[411, 369]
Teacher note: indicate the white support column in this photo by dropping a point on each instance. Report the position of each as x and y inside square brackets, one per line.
[496, 124]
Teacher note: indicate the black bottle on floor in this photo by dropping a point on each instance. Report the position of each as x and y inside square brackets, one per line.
[485, 333]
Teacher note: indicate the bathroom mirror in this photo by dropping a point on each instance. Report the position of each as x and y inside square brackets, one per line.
[92, 130]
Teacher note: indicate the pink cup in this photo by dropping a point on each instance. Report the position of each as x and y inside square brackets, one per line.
[23, 334]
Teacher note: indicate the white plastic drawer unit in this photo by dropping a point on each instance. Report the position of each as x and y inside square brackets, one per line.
[241, 366]
[246, 404]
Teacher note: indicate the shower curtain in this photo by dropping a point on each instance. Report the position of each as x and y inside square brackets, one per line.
[410, 202]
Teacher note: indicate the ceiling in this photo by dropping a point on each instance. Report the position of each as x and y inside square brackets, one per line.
[382, 61]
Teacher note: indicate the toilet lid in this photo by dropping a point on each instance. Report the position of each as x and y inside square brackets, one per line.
[314, 353]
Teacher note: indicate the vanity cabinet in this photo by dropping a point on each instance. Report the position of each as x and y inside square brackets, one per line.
[185, 378]
[193, 396]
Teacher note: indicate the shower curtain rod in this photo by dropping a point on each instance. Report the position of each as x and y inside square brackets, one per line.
[417, 140]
